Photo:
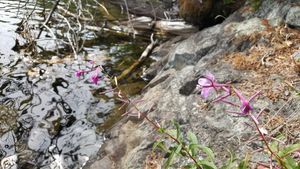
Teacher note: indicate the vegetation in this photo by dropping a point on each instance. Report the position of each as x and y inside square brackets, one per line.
[176, 143]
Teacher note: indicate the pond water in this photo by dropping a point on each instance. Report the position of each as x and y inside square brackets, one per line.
[50, 118]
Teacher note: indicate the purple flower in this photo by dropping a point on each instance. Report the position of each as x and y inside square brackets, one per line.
[245, 104]
[79, 73]
[208, 84]
[94, 78]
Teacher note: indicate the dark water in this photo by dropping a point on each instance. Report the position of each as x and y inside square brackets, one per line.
[50, 118]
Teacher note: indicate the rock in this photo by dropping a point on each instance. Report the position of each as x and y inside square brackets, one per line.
[7, 144]
[103, 163]
[293, 17]
[245, 28]
[39, 139]
[79, 135]
[9, 162]
[296, 59]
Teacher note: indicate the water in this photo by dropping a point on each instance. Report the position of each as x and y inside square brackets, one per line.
[50, 118]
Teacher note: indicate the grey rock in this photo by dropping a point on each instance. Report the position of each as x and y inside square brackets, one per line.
[296, 56]
[293, 16]
[246, 27]
[103, 163]
[9, 162]
[7, 144]
[39, 139]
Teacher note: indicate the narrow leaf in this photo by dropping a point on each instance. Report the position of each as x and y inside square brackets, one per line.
[172, 156]
[207, 164]
[245, 163]
[207, 151]
[289, 149]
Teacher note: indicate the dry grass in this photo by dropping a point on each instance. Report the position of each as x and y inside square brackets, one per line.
[269, 67]
[153, 161]
[269, 64]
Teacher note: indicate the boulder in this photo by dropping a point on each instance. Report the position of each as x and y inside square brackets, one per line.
[293, 16]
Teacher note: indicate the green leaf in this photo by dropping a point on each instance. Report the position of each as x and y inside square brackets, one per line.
[193, 149]
[288, 150]
[207, 164]
[161, 130]
[160, 144]
[274, 146]
[290, 163]
[207, 151]
[192, 137]
[190, 166]
[172, 156]
[193, 143]
[245, 163]
[172, 132]
[178, 134]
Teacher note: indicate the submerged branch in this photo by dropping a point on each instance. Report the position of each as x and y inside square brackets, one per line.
[48, 18]
[137, 63]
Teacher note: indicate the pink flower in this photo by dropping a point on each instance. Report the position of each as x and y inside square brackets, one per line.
[245, 104]
[208, 84]
[95, 78]
[79, 73]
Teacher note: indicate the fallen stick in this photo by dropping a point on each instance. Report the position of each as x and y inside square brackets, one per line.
[137, 63]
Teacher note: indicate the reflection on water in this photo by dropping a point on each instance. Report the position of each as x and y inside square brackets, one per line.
[48, 116]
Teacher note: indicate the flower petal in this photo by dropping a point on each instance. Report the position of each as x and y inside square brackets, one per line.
[205, 92]
[204, 82]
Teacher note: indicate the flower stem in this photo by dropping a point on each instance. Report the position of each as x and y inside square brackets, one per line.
[155, 125]
[174, 139]
[266, 143]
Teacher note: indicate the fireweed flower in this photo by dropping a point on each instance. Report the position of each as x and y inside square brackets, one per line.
[96, 76]
[208, 84]
[245, 105]
[94, 79]
[79, 73]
